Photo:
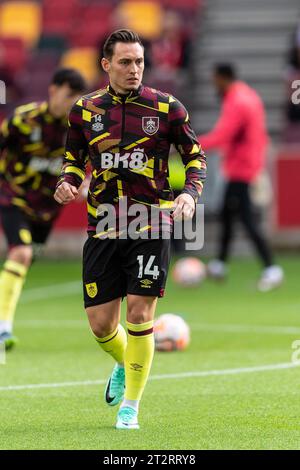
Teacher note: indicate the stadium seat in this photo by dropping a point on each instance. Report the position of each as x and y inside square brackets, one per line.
[83, 59]
[37, 76]
[14, 53]
[97, 17]
[144, 17]
[60, 17]
[188, 5]
[52, 42]
[21, 19]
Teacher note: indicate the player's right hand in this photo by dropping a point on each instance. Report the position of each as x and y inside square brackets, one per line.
[65, 193]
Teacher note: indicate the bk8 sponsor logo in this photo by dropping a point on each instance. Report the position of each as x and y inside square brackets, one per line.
[136, 160]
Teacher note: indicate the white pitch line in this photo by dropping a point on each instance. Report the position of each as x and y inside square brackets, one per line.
[216, 328]
[183, 375]
[40, 323]
[75, 287]
[234, 328]
[52, 291]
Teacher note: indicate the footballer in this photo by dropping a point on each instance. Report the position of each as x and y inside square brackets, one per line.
[125, 132]
[31, 151]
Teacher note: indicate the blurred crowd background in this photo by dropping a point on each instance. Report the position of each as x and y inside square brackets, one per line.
[183, 40]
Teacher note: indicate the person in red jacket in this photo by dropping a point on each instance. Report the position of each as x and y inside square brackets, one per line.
[240, 133]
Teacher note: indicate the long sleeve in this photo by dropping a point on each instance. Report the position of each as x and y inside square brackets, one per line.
[186, 143]
[11, 130]
[76, 154]
[11, 133]
[4, 135]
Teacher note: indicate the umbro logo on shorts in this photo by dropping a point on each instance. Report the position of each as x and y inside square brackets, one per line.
[146, 283]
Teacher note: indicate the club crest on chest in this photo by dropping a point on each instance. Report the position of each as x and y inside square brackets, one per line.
[150, 124]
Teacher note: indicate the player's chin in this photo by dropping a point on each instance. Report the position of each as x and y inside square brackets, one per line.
[132, 85]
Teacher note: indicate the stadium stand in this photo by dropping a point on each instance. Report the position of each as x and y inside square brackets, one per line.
[83, 59]
[71, 32]
[22, 20]
[38, 36]
[145, 17]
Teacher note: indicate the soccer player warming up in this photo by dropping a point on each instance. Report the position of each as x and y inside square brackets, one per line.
[31, 150]
[125, 131]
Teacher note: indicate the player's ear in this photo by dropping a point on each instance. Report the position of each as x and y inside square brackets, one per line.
[105, 64]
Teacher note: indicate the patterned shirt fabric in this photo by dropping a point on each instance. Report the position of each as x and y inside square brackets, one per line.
[32, 144]
[126, 139]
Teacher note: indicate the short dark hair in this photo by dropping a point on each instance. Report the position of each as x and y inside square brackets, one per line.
[71, 77]
[226, 70]
[121, 35]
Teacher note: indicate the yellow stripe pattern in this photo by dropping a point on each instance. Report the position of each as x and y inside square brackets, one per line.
[99, 137]
[137, 142]
[163, 107]
[194, 164]
[92, 211]
[120, 188]
[86, 115]
[75, 170]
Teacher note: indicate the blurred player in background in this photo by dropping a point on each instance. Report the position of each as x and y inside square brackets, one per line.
[32, 145]
[241, 134]
[117, 124]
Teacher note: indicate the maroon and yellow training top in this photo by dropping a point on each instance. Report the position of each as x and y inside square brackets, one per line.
[127, 141]
[32, 144]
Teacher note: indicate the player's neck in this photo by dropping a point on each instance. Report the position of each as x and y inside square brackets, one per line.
[52, 112]
[120, 92]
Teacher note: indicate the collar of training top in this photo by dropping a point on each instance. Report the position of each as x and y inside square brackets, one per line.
[125, 97]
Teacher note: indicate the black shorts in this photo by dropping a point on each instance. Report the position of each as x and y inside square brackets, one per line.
[20, 230]
[115, 268]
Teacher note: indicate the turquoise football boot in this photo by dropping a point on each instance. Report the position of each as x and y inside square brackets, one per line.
[114, 390]
[127, 418]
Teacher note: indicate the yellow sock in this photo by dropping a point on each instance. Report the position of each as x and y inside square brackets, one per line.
[115, 343]
[138, 358]
[11, 282]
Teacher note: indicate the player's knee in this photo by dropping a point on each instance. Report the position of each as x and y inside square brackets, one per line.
[138, 315]
[21, 254]
[101, 326]
[101, 331]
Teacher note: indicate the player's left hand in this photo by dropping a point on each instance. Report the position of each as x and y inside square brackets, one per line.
[184, 206]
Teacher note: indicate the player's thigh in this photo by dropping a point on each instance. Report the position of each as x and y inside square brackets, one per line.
[146, 264]
[103, 280]
[16, 226]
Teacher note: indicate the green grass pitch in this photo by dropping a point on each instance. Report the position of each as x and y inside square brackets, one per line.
[234, 327]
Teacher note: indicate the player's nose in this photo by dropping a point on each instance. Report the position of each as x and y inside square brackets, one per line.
[134, 68]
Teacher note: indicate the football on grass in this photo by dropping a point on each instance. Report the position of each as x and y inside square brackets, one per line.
[189, 271]
[171, 333]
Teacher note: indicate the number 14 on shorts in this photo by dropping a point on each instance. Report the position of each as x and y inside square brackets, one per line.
[150, 269]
